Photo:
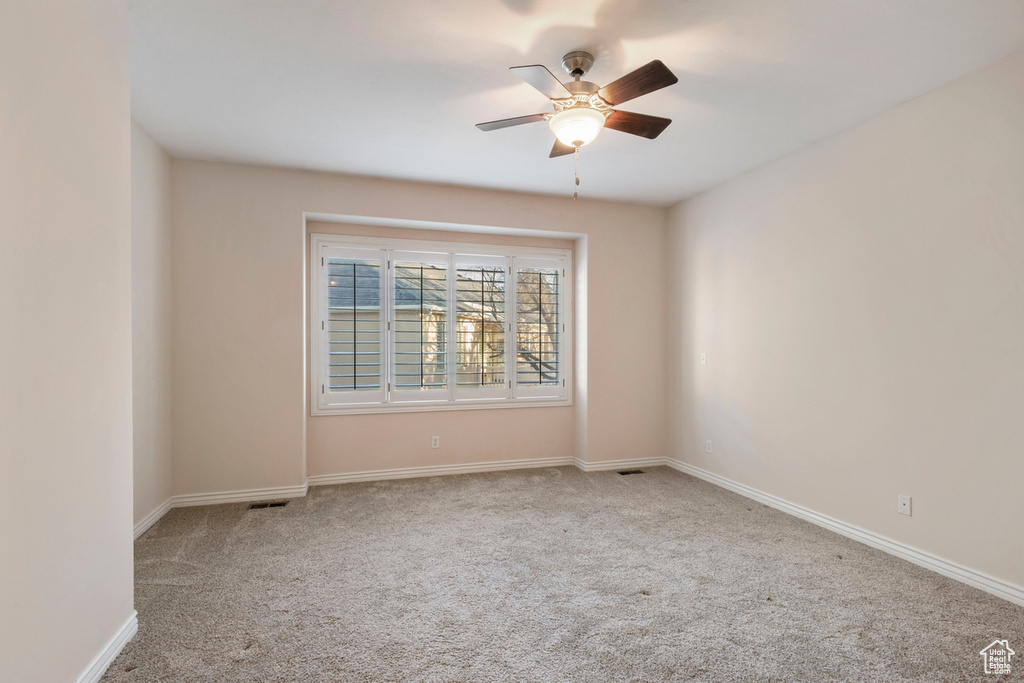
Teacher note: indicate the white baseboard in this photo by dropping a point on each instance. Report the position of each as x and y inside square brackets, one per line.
[989, 584]
[217, 498]
[244, 496]
[100, 662]
[617, 464]
[436, 470]
[153, 517]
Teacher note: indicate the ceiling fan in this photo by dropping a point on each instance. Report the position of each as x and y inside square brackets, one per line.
[582, 109]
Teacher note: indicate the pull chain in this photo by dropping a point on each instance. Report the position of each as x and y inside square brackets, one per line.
[575, 190]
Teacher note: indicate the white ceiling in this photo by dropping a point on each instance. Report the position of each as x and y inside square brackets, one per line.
[392, 88]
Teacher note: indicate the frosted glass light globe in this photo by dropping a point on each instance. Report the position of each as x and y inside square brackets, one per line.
[577, 126]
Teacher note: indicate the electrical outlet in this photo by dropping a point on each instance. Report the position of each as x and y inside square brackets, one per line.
[435, 442]
[903, 505]
[709, 445]
[703, 358]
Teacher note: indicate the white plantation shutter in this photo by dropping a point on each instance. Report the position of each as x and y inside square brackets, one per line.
[406, 325]
[481, 327]
[539, 327]
[419, 326]
[352, 327]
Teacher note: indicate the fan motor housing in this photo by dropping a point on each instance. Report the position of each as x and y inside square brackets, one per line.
[582, 89]
[584, 94]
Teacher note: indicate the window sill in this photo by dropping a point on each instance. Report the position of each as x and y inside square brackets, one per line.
[427, 407]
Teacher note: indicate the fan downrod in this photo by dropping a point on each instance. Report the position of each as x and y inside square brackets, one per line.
[577, 63]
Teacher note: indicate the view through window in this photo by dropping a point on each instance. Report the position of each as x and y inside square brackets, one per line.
[388, 314]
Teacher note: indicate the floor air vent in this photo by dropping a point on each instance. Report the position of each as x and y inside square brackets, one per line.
[631, 472]
[260, 506]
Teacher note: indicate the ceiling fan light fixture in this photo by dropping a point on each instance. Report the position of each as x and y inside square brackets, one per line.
[577, 126]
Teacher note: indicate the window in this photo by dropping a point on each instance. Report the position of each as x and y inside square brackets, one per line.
[537, 328]
[405, 325]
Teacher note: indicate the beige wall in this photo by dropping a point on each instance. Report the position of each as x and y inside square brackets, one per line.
[65, 336]
[151, 324]
[239, 333]
[862, 306]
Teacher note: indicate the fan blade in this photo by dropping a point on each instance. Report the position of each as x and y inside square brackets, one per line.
[644, 125]
[516, 121]
[560, 150]
[646, 79]
[543, 80]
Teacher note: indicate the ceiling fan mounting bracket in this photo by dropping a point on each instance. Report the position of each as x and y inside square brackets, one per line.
[577, 63]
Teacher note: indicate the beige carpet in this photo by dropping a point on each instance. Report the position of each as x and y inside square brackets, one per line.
[541, 575]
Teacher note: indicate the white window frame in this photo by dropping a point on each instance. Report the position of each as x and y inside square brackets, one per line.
[511, 395]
